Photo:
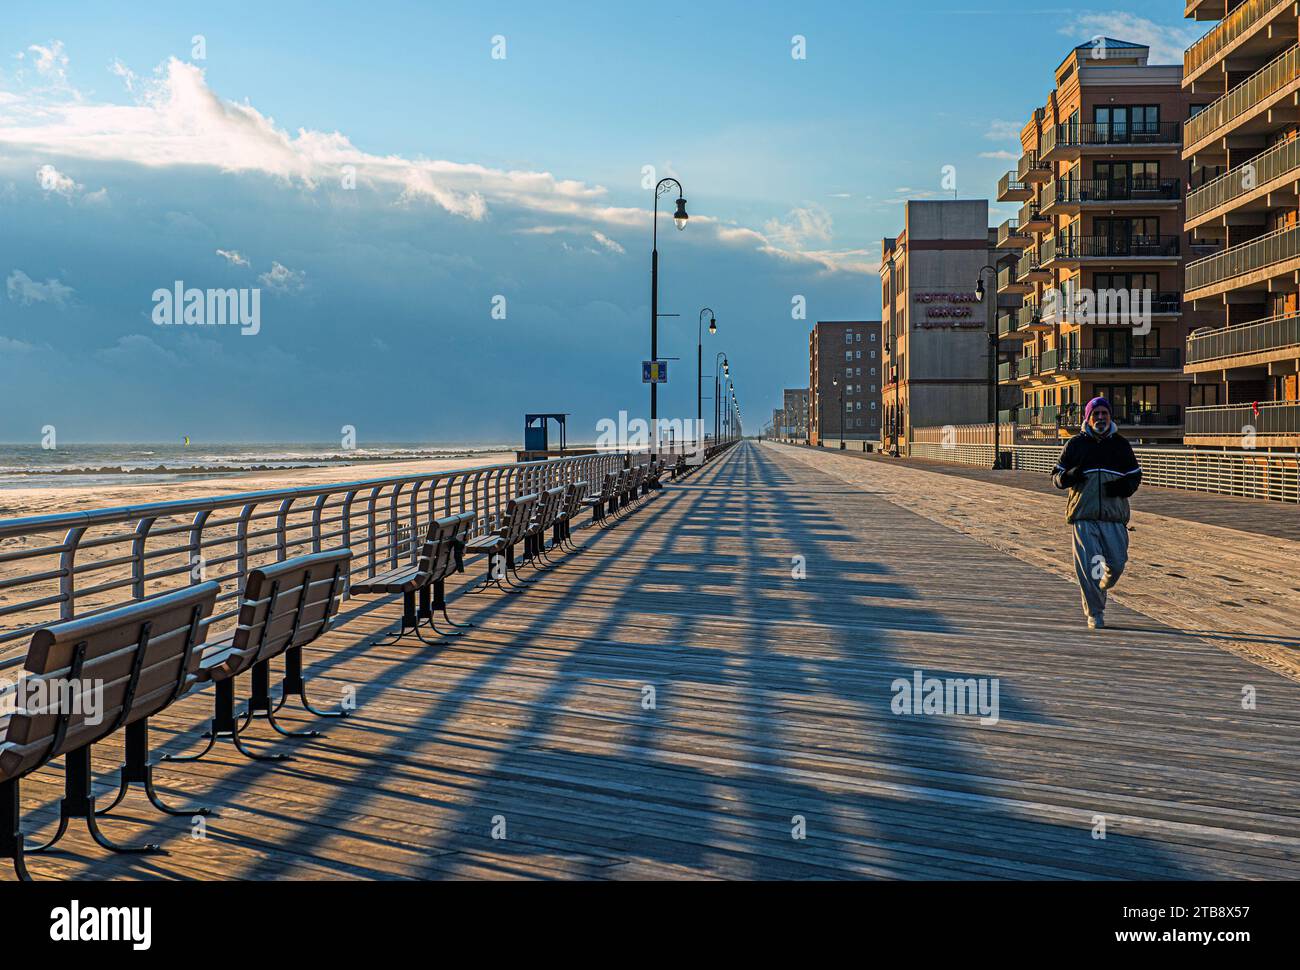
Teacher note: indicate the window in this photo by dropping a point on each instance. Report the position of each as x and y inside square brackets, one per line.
[873, 405]
[848, 355]
[859, 338]
[848, 338]
[873, 336]
[873, 355]
[873, 372]
[859, 353]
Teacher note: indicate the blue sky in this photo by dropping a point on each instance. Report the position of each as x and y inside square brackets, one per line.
[128, 162]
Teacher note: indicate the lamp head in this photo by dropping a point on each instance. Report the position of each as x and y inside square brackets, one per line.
[979, 289]
[713, 325]
[680, 216]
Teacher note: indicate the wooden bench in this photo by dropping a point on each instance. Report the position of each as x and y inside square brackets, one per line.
[548, 508]
[563, 530]
[441, 555]
[499, 544]
[284, 608]
[603, 500]
[140, 658]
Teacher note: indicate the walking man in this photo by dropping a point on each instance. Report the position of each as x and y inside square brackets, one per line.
[1101, 472]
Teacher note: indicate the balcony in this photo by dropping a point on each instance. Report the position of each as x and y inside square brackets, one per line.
[1234, 27]
[1026, 367]
[1047, 361]
[1048, 416]
[1119, 359]
[1078, 249]
[1033, 169]
[1032, 218]
[1011, 236]
[1241, 107]
[1004, 373]
[1007, 282]
[1009, 325]
[1011, 189]
[1276, 168]
[1066, 143]
[1030, 319]
[1071, 196]
[1273, 422]
[1030, 270]
[1249, 344]
[1252, 263]
[1130, 415]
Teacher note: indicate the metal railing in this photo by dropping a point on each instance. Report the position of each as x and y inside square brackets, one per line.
[1236, 23]
[1265, 418]
[1031, 211]
[1281, 332]
[1007, 322]
[1010, 229]
[1255, 254]
[1085, 134]
[1259, 87]
[1004, 371]
[1038, 417]
[1010, 183]
[1116, 247]
[1130, 415]
[1282, 159]
[1028, 315]
[1107, 358]
[1047, 360]
[1030, 162]
[76, 564]
[1028, 263]
[1027, 367]
[1075, 191]
[1239, 472]
[1006, 276]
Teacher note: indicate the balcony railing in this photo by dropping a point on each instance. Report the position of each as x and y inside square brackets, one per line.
[1229, 29]
[1075, 191]
[1257, 337]
[1010, 183]
[1028, 263]
[1130, 415]
[1282, 159]
[1007, 323]
[1047, 361]
[1008, 230]
[1266, 418]
[1116, 247]
[1083, 135]
[1259, 87]
[1119, 358]
[1029, 162]
[1004, 371]
[1027, 315]
[1256, 254]
[1006, 276]
[1026, 367]
[1030, 417]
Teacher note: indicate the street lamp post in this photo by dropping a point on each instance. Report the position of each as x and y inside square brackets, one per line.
[699, 371]
[835, 382]
[995, 351]
[717, 393]
[679, 217]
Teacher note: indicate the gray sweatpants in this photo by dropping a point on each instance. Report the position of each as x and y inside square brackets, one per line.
[1099, 547]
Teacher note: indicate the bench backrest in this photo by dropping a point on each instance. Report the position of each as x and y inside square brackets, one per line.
[518, 514]
[573, 498]
[608, 486]
[288, 604]
[90, 677]
[551, 501]
[448, 536]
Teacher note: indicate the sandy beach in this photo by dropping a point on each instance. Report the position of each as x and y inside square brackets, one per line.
[47, 500]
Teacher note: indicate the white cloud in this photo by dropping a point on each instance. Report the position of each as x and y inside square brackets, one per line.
[233, 256]
[1000, 130]
[53, 181]
[281, 278]
[1001, 156]
[27, 291]
[1167, 43]
[608, 243]
[50, 61]
[177, 121]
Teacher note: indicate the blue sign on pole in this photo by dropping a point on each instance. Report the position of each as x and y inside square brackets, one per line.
[654, 372]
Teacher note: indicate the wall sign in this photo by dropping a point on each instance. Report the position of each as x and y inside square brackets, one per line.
[932, 309]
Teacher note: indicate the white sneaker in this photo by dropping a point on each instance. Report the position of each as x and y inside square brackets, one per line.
[1097, 622]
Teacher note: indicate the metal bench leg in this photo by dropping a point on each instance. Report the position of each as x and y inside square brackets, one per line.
[78, 802]
[11, 834]
[440, 603]
[225, 725]
[293, 685]
[259, 703]
[410, 625]
[137, 769]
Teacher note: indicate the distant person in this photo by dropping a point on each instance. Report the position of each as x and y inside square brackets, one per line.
[1101, 472]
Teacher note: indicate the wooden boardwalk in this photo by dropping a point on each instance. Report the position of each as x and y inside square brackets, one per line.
[672, 701]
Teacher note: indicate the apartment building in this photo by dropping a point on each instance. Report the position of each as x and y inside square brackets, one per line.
[796, 412]
[938, 315]
[1243, 78]
[1102, 248]
[844, 375]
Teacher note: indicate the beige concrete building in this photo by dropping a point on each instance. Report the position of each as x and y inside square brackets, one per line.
[795, 413]
[938, 330]
[1243, 78]
[1101, 249]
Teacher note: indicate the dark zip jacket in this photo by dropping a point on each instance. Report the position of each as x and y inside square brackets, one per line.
[1101, 473]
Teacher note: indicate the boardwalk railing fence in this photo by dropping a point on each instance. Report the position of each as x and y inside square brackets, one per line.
[1227, 471]
[76, 564]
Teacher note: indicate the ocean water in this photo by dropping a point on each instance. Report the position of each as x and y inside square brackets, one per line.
[31, 466]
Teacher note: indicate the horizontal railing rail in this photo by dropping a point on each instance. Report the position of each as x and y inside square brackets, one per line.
[62, 566]
[1029, 161]
[1094, 358]
[1010, 183]
[1264, 418]
[1283, 159]
[1087, 134]
[1253, 91]
[1255, 254]
[1234, 25]
[1281, 332]
[1227, 471]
